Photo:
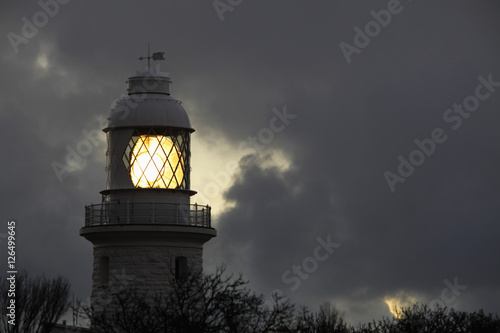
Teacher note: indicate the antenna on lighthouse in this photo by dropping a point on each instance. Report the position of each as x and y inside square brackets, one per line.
[154, 56]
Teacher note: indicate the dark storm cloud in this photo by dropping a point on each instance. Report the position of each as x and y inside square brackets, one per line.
[395, 91]
[353, 122]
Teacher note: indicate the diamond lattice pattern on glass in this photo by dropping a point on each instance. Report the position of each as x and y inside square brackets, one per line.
[156, 161]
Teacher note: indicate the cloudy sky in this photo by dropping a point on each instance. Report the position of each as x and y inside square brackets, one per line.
[371, 126]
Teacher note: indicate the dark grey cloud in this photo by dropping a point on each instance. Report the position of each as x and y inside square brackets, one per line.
[353, 121]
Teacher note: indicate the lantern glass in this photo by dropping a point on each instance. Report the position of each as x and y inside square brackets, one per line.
[156, 162]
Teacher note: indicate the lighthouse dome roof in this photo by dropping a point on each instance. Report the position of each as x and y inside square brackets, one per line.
[148, 104]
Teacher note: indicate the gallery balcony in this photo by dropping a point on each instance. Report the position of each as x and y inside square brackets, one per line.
[147, 213]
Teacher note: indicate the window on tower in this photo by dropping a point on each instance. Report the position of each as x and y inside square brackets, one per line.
[181, 267]
[104, 270]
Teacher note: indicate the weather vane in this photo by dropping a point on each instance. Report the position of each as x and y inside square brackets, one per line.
[154, 56]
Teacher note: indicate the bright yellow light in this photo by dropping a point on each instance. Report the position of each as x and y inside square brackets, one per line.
[156, 162]
[399, 301]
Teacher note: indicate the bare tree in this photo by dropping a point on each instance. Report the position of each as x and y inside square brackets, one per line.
[39, 303]
[327, 320]
[194, 303]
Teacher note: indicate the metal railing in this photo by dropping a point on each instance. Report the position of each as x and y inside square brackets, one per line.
[147, 213]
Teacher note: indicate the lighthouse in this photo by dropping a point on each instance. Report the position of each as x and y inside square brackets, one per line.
[146, 231]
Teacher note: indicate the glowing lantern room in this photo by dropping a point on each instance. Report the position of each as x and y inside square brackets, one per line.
[155, 161]
[149, 132]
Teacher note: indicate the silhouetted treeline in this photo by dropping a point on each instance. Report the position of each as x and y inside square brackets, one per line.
[421, 318]
[217, 303]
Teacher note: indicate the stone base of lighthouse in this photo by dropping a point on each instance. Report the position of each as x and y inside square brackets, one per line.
[143, 258]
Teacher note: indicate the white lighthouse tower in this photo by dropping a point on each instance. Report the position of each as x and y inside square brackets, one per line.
[146, 229]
